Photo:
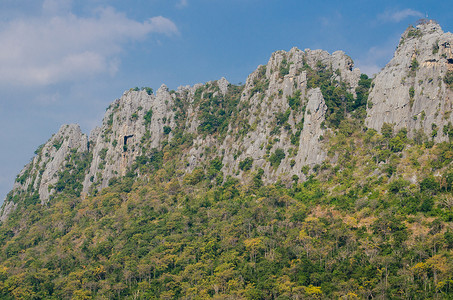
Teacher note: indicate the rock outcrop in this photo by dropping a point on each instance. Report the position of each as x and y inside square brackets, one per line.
[410, 91]
[140, 121]
[38, 180]
[116, 144]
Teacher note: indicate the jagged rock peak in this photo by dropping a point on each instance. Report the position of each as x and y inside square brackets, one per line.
[275, 123]
[292, 62]
[425, 27]
[163, 89]
[223, 85]
[53, 157]
[410, 92]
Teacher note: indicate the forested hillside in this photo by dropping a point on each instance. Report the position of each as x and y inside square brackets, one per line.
[355, 229]
[310, 181]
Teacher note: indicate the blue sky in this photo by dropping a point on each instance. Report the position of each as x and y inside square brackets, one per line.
[64, 61]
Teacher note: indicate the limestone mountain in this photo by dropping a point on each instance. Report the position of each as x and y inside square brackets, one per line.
[60, 157]
[413, 91]
[310, 181]
[274, 124]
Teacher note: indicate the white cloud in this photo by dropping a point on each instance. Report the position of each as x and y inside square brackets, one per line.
[162, 25]
[56, 6]
[397, 16]
[48, 99]
[59, 46]
[181, 4]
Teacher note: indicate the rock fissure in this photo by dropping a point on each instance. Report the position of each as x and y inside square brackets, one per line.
[126, 137]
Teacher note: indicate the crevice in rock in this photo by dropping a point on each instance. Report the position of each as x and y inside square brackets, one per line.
[126, 137]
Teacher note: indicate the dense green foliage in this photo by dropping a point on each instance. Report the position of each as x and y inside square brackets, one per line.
[294, 101]
[147, 117]
[284, 68]
[340, 102]
[246, 164]
[448, 79]
[277, 157]
[148, 90]
[373, 221]
[343, 233]
[346, 232]
[71, 178]
[362, 91]
[216, 109]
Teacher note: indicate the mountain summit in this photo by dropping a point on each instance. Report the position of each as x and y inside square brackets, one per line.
[413, 91]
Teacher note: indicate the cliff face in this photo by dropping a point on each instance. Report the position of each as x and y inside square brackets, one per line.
[225, 121]
[410, 91]
[277, 120]
[272, 126]
[127, 123]
[39, 178]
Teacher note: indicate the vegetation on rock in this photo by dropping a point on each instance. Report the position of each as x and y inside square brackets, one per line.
[345, 231]
[207, 195]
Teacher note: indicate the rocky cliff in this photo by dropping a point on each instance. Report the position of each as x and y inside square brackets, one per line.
[234, 123]
[272, 127]
[411, 91]
[55, 161]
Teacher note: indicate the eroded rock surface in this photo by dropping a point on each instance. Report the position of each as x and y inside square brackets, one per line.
[38, 180]
[410, 91]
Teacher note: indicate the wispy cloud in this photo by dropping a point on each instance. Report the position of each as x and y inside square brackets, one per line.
[47, 99]
[375, 58]
[182, 3]
[56, 6]
[399, 15]
[331, 20]
[59, 45]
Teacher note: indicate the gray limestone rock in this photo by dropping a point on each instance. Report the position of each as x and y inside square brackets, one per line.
[39, 177]
[136, 120]
[141, 121]
[284, 75]
[310, 149]
[223, 85]
[7, 208]
[410, 92]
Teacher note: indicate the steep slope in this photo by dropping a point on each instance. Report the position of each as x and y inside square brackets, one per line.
[116, 144]
[234, 123]
[56, 166]
[289, 114]
[354, 229]
[411, 91]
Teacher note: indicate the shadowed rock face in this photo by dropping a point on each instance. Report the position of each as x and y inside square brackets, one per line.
[410, 91]
[253, 122]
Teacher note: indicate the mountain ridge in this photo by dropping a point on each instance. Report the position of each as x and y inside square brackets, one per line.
[276, 120]
[275, 189]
